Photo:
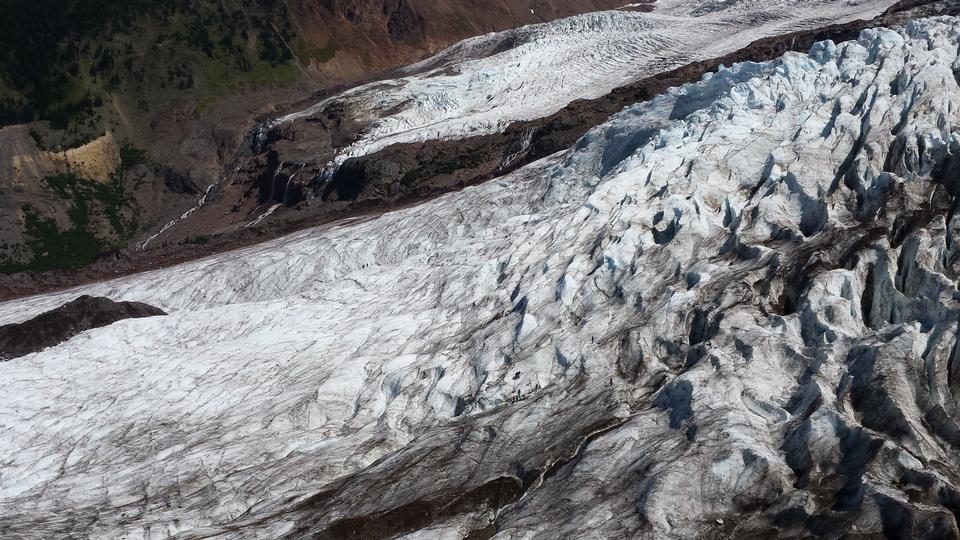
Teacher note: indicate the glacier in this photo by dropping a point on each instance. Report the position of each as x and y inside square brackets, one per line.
[729, 311]
[481, 85]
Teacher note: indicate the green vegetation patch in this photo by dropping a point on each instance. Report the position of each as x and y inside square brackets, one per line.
[130, 156]
[61, 59]
[213, 78]
[42, 50]
[52, 248]
[85, 197]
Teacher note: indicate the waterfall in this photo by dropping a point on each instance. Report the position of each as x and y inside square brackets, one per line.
[286, 189]
[273, 181]
[259, 142]
[203, 200]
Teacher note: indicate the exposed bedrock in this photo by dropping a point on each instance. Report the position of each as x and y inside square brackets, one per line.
[60, 324]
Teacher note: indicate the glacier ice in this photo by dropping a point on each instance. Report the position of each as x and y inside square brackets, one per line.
[729, 311]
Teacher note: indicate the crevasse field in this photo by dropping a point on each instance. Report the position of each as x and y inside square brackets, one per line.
[727, 311]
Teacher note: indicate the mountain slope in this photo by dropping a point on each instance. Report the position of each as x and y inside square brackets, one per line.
[728, 311]
[61, 61]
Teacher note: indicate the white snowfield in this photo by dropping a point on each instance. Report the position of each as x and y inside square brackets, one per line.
[482, 85]
[730, 311]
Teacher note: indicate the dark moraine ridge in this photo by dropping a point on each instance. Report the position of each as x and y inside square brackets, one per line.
[60, 324]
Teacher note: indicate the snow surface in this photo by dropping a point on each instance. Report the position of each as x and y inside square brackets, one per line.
[481, 85]
[676, 317]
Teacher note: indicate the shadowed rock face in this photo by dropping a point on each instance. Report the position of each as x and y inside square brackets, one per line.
[59, 325]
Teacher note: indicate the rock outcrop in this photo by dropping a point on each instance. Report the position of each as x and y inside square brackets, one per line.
[179, 84]
[65, 322]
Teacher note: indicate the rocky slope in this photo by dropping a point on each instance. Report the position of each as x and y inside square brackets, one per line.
[730, 311]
